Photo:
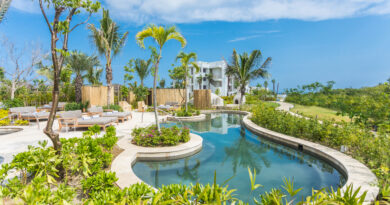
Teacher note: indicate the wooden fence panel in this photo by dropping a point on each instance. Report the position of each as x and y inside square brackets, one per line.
[202, 99]
[96, 95]
[165, 95]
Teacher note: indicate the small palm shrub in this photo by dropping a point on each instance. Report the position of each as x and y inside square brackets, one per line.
[4, 120]
[113, 107]
[169, 136]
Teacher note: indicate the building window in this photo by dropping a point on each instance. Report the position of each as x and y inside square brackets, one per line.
[204, 70]
[204, 78]
[204, 87]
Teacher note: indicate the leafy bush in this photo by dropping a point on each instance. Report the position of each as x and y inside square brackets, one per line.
[169, 136]
[190, 112]
[16, 102]
[3, 118]
[113, 107]
[73, 106]
[228, 99]
[362, 144]
[100, 181]
[21, 122]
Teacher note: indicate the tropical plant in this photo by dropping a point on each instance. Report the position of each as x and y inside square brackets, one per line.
[161, 35]
[247, 67]
[186, 60]
[60, 28]
[4, 5]
[210, 79]
[169, 136]
[162, 83]
[80, 63]
[94, 75]
[109, 42]
[199, 79]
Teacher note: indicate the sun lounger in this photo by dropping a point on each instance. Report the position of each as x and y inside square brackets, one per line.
[60, 107]
[122, 116]
[28, 113]
[76, 119]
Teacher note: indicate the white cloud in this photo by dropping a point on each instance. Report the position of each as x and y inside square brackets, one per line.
[26, 5]
[188, 11]
[185, 11]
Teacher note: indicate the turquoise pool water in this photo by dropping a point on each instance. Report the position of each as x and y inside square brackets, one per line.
[229, 149]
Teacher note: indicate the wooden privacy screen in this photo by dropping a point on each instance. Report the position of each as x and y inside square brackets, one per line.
[96, 95]
[202, 99]
[164, 95]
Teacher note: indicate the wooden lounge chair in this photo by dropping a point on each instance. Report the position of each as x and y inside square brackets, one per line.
[28, 113]
[122, 116]
[75, 119]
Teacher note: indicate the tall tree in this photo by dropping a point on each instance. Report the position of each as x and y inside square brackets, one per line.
[266, 85]
[273, 85]
[109, 42]
[142, 68]
[20, 68]
[60, 28]
[94, 75]
[186, 60]
[80, 63]
[246, 67]
[161, 35]
[199, 79]
[162, 83]
[4, 5]
[210, 79]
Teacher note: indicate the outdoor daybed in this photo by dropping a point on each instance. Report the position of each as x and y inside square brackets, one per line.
[28, 113]
[76, 119]
[122, 116]
[60, 107]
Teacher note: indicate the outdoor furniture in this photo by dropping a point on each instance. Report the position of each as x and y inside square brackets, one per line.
[28, 113]
[122, 116]
[169, 106]
[60, 107]
[76, 119]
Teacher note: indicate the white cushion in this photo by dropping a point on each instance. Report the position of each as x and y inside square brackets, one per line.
[86, 117]
[95, 116]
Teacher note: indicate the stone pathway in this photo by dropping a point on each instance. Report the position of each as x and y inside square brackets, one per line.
[15, 143]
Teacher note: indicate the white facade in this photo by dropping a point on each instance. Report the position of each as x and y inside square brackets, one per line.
[220, 80]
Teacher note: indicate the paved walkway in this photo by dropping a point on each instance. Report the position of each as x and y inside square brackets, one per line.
[14, 143]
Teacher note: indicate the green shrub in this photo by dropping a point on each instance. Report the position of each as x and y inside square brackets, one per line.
[100, 181]
[169, 136]
[16, 102]
[72, 106]
[362, 144]
[21, 122]
[4, 116]
[113, 107]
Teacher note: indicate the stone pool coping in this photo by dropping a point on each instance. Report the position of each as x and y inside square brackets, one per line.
[123, 163]
[195, 118]
[357, 173]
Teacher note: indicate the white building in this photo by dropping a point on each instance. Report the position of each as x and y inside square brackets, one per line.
[219, 81]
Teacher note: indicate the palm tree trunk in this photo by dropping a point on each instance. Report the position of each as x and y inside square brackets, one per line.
[154, 92]
[78, 85]
[242, 96]
[109, 79]
[186, 100]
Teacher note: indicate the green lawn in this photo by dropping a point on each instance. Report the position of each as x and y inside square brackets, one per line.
[320, 112]
[271, 104]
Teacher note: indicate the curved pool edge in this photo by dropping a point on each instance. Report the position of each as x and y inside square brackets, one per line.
[196, 118]
[122, 164]
[357, 173]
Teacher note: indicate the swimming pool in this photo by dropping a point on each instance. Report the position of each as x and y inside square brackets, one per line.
[228, 149]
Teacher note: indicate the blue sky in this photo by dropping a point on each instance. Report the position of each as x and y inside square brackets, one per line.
[344, 41]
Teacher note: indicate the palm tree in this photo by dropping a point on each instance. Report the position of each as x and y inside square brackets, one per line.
[80, 63]
[247, 67]
[273, 85]
[199, 79]
[185, 59]
[94, 75]
[161, 35]
[210, 78]
[109, 42]
[162, 83]
[4, 5]
[142, 68]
